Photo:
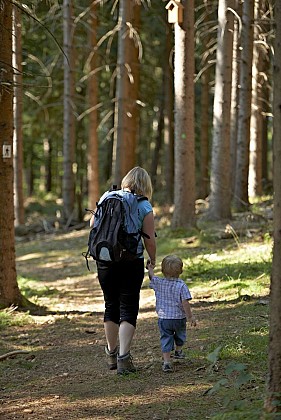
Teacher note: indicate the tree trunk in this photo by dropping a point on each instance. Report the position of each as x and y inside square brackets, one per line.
[48, 150]
[241, 200]
[68, 189]
[273, 400]
[203, 180]
[234, 95]
[124, 142]
[9, 291]
[93, 158]
[265, 92]
[255, 159]
[168, 118]
[157, 149]
[184, 188]
[220, 197]
[133, 107]
[18, 108]
[204, 135]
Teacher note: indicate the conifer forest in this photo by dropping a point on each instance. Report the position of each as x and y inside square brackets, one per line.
[190, 90]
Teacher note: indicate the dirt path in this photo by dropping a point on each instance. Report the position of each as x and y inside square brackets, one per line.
[64, 375]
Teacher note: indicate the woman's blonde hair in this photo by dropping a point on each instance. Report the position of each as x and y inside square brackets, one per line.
[138, 181]
[172, 266]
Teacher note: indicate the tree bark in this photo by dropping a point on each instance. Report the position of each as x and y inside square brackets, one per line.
[168, 89]
[18, 109]
[93, 158]
[126, 85]
[204, 178]
[220, 197]
[9, 291]
[234, 94]
[255, 158]
[184, 188]
[133, 107]
[68, 189]
[273, 400]
[241, 199]
[204, 181]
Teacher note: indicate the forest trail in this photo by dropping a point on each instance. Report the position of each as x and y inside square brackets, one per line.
[64, 375]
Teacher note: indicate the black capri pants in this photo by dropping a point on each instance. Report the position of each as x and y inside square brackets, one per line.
[121, 283]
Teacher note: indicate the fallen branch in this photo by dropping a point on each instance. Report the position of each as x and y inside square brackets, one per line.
[12, 353]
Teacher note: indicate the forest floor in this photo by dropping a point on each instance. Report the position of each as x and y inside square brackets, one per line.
[63, 374]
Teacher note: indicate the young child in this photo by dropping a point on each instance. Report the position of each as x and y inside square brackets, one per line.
[172, 306]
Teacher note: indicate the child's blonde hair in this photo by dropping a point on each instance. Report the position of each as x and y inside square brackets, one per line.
[172, 266]
[138, 180]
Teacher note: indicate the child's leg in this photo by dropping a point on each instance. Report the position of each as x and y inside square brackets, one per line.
[180, 335]
[178, 348]
[167, 357]
[166, 338]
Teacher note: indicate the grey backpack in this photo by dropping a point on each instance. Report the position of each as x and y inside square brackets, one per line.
[115, 235]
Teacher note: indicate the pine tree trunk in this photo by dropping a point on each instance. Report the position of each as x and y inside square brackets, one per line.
[9, 291]
[220, 197]
[234, 95]
[93, 158]
[204, 135]
[184, 188]
[273, 400]
[203, 179]
[255, 159]
[265, 94]
[241, 200]
[133, 107]
[158, 146]
[68, 189]
[48, 154]
[124, 143]
[168, 118]
[18, 109]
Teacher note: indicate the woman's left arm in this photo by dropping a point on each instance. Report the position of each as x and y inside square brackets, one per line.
[150, 243]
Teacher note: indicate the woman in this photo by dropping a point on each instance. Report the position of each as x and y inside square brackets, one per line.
[121, 281]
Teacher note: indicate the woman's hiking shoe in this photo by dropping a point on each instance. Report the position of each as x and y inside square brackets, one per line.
[179, 354]
[125, 364]
[167, 367]
[111, 357]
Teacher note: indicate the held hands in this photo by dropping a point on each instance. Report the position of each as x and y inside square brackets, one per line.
[150, 264]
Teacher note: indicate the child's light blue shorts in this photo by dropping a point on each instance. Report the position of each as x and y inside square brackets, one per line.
[172, 331]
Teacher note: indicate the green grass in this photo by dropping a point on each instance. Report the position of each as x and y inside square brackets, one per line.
[9, 317]
[31, 289]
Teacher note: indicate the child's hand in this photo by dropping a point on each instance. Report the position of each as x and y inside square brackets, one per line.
[193, 322]
[149, 265]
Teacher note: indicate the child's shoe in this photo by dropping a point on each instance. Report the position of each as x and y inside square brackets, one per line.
[125, 364]
[179, 354]
[167, 367]
[111, 357]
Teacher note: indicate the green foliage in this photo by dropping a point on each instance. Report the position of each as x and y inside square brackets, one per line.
[214, 356]
[235, 374]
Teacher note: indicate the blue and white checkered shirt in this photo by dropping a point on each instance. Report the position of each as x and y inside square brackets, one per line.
[169, 295]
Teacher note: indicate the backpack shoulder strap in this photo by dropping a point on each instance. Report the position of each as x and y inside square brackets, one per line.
[141, 198]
